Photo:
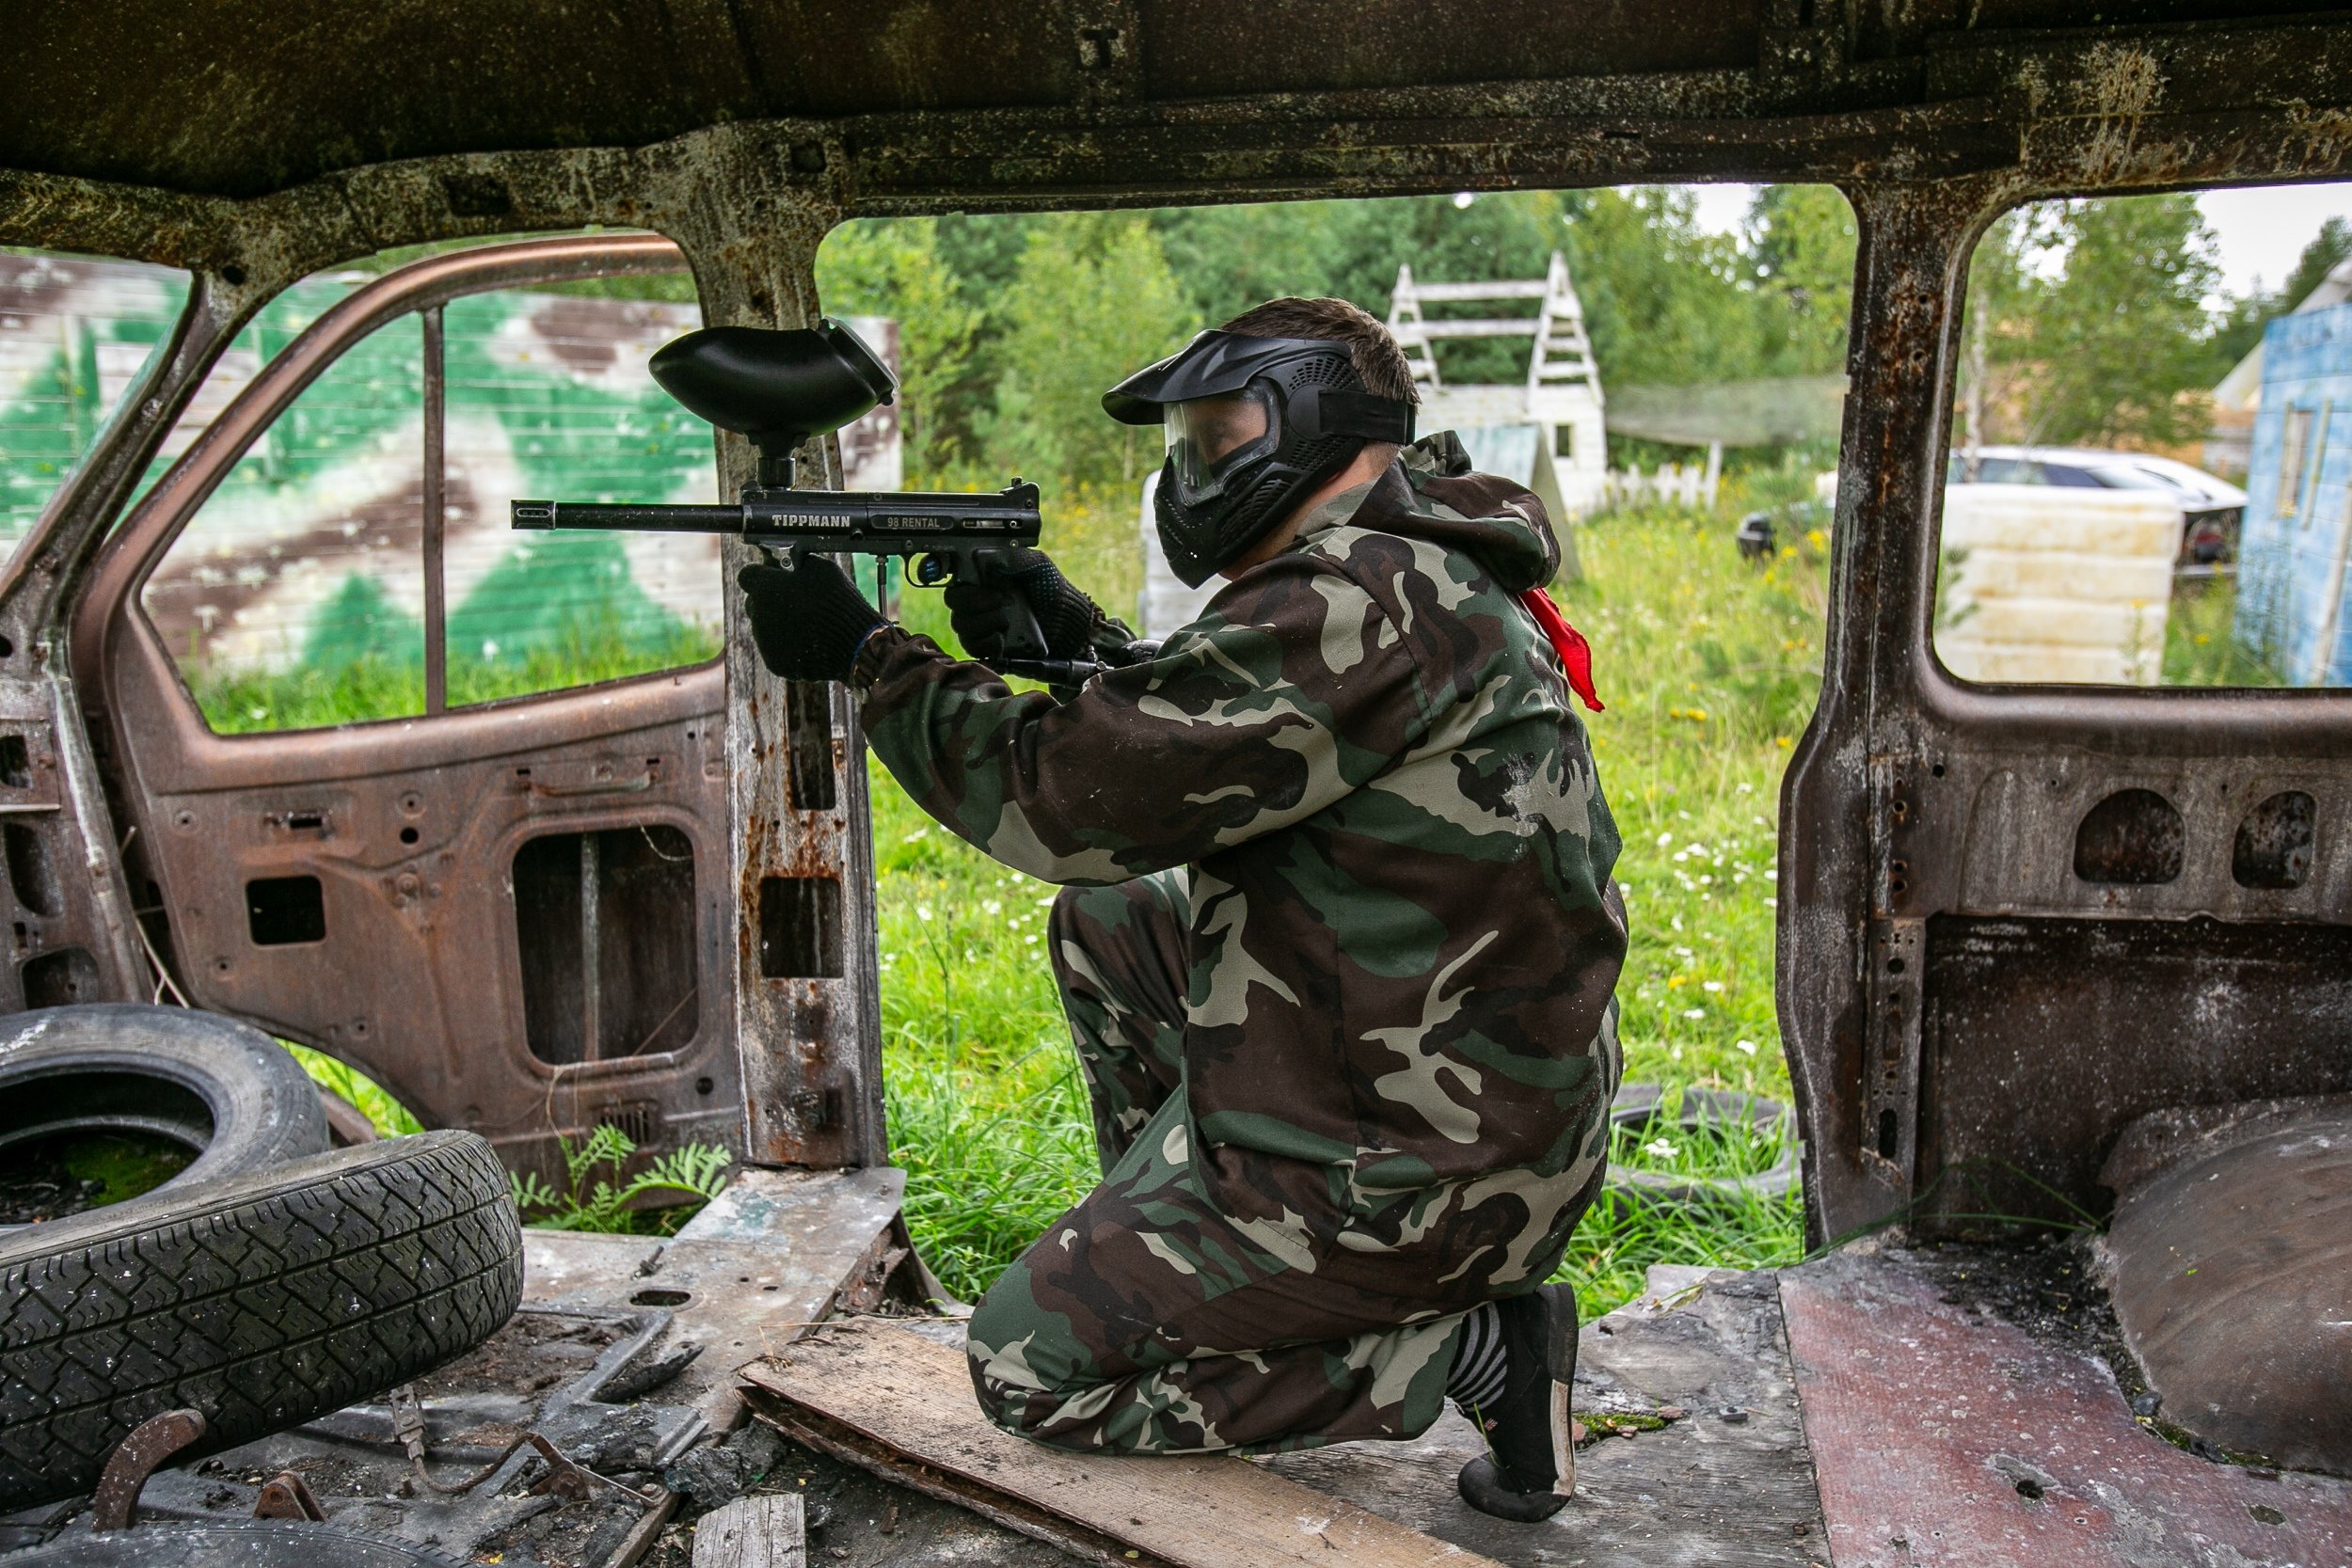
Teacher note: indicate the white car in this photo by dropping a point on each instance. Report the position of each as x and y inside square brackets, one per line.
[2211, 509]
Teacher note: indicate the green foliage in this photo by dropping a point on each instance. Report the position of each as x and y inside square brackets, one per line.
[2088, 322]
[2241, 324]
[391, 1118]
[1091, 301]
[600, 1198]
[1801, 241]
[2199, 648]
[2121, 333]
[1035, 316]
[892, 267]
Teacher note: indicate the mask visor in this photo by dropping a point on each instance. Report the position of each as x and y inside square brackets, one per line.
[1212, 438]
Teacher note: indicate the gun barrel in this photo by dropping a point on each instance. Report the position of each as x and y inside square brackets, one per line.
[653, 519]
[908, 523]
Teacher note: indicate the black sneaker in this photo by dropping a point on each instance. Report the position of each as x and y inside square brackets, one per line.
[1528, 1471]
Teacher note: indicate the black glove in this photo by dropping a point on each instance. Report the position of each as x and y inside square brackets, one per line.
[808, 621]
[985, 609]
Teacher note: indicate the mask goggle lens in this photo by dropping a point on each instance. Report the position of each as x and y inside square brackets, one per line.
[1209, 438]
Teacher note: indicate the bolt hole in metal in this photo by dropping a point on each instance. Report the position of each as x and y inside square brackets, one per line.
[408, 835]
[661, 1298]
[16, 763]
[1887, 1142]
[8, 646]
[2029, 1489]
[1894, 966]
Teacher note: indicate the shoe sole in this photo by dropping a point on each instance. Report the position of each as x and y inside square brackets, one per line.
[1563, 1438]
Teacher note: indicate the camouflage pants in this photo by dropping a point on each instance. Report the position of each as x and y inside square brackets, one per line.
[1147, 1320]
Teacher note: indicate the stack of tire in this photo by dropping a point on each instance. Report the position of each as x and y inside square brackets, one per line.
[268, 1283]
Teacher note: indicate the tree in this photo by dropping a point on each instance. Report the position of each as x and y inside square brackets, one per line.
[2243, 319]
[2121, 333]
[1090, 302]
[1801, 244]
[892, 267]
[2331, 246]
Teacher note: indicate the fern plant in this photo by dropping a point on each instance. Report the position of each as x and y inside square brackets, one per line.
[600, 1198]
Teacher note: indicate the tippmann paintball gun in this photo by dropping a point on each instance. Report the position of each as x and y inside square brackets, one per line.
[781, 387]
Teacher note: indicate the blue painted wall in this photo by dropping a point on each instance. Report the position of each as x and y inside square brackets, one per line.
[2295, 594]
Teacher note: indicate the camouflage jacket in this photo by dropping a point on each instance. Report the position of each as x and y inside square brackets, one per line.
[1405, 941]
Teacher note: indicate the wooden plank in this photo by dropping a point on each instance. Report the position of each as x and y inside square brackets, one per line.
[753, 1532]
[1729, 1492]
[906, 1393]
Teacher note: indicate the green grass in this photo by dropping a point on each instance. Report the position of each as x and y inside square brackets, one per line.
[2198, 647]
[373, 686]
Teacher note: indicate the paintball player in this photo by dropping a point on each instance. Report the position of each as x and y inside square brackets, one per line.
[1338, 939]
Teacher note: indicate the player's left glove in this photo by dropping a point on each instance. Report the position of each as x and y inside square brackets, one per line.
[808, 621]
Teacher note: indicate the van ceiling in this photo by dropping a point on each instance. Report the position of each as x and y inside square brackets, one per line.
[248, 97]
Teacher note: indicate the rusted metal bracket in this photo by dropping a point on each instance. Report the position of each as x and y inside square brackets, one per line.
[287, 1496]
[1890, 1098]
[566, 1478]
[135, 1458]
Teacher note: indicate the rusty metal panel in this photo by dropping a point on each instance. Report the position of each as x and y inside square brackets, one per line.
[2230, 1261]
[2046, 1037]
[409, 956]
[1945, 1437]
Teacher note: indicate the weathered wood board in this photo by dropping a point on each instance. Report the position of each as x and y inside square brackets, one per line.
[765, 1531]
[868, 1387]
[1728, 1485]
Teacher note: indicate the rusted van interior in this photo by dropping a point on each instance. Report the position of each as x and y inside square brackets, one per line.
[2016, 922]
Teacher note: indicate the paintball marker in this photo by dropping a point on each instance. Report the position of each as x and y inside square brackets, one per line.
[780, 389]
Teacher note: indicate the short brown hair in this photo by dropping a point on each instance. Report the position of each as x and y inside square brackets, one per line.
[1370, 348]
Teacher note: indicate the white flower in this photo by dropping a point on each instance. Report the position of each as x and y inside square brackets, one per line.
[1746, 1046]
[1030, 939]
[1664, 839]
[922, 911]
[1773, 875]
[1772, 903]
[992, 906]
[1712, 985]
[1694, 1012]
[1659, 1148]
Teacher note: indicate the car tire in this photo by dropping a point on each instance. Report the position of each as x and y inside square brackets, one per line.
[259, 1302]
[230, 1543]
[1640, 1105]
[223, 1089]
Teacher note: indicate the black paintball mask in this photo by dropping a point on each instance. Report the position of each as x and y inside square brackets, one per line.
[1254, 425]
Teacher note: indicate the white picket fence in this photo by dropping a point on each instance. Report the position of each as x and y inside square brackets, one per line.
[1671, 483]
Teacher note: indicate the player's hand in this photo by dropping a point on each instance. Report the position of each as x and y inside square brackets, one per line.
[986, 609]
[808, 621]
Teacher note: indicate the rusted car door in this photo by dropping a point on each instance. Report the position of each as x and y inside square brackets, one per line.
[510, 913]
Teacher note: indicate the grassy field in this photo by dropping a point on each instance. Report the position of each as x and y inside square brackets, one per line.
[1709, 667]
